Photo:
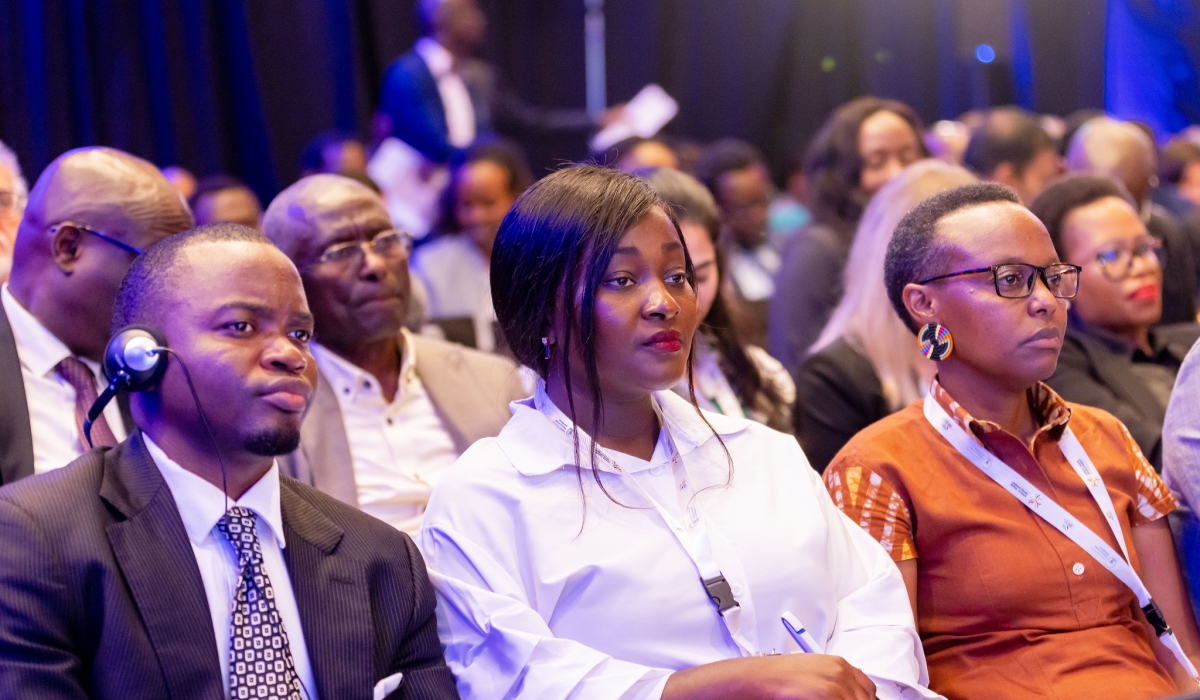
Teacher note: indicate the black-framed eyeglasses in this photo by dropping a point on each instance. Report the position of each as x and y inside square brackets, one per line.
[1016, 280]
[103, 236]
[1116, 262]
[389, 244]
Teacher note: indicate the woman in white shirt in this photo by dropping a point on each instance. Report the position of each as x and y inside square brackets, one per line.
[729, 376]
[659, 562]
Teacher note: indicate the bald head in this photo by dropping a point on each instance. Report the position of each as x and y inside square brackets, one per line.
[1105, 146]
[301, 218]
[99, 202]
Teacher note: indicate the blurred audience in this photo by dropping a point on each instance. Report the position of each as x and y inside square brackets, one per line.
[736, 174]
[454, 266]
[1122, 150]
[788, 212]
[864, 366]
[999, 610]
[1013, 149]
[730, 377]
[225, 199]
[14, 191]
[336, 152]
[1114, 356]
[1181, 464]
[862, 145]
[1179, 177]
[90, 213]
[947, 141]
[181, 179]
[393, 410]
[637, 153]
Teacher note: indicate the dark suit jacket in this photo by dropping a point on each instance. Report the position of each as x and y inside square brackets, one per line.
[410, 97]
[16, 435]
[1096, 372]
[837, 395]
[101, 597]
[1179, 268]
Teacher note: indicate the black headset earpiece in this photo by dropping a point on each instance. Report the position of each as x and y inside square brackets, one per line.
[134, 360]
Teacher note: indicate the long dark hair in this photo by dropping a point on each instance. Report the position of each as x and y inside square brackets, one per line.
[558, 238]
[833, 164]
[692, 202]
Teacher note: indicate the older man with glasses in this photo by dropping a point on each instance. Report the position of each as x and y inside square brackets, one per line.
[393, 410]
[1115, 355]
[89, 215]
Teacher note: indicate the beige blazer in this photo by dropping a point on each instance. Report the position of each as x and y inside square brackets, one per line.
[470, 391]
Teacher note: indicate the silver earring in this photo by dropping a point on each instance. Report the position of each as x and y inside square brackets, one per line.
[546, 345]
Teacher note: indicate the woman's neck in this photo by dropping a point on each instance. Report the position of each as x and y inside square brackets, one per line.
[990, 399]
[628, 424]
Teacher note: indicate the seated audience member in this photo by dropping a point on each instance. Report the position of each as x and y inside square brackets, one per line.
[334, 152]
[454, 266]
[1013, 149]
[392, 410]
[637, 153]
[1013, 572]
[862, 145]
[1181, 463]
[787, 214]
[224, 199]
[181, 179]
[1114, 355]
[563, 566]
[91, 212]
[736, 174]
[166, 551]
[729, 376]
[864, 366]
[13, 193]
[1179, 177]
[1122, 150]
[947, 141]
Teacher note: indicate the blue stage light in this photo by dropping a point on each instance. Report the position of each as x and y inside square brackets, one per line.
[985, 53]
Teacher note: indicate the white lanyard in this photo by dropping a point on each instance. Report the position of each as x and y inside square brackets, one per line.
[695, 539]
[1058, 517]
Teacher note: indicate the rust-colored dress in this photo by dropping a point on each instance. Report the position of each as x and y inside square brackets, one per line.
[1007, 606]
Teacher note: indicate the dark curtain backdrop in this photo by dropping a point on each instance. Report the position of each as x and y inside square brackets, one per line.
[239, 86]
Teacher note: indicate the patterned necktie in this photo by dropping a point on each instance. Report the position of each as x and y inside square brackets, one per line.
[260, 660]
[80, 377]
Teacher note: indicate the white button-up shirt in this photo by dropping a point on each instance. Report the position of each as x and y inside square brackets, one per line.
[50, 398]
[456, 101]
[398, 450]
[548, 588]
[201, 506]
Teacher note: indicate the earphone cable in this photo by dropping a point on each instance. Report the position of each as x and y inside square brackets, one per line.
[203, 419]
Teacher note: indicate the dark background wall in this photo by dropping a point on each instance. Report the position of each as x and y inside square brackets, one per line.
[240, 85]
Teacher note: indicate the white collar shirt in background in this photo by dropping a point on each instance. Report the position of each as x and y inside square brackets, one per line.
[50, 398]
[538, 599]
[753, 271]
[456, 101]
[201, 506]
[456, 276]
[399, 450]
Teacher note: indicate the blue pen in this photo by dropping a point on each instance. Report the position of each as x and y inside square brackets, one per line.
[801, 635]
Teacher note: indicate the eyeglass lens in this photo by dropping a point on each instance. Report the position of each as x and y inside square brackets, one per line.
[1016, 281]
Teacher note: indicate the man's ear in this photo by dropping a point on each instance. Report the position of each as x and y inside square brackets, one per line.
[920, 304]
[66, 248]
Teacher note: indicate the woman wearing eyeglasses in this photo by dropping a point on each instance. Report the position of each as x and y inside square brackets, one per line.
[1029, 531]
[1113, 357]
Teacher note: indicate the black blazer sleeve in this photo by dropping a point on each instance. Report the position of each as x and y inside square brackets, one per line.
[837, 395]
[419, 656]
[38, 658]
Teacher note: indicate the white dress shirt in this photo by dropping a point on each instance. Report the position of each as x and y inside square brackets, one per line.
[548, 588]
[456, 277]
[201, 506]
[399, 450]
[753, 271]
[456, 101]
[50, 398]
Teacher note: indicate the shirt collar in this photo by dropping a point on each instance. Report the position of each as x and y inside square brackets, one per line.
[201, 504]
[536, 446]
[436, 57]
[39, 349]
[1049, 410]
[350, 382]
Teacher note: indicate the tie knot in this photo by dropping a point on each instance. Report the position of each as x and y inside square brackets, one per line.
[239, 527]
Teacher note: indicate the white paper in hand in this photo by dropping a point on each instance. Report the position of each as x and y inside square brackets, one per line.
[644, 115]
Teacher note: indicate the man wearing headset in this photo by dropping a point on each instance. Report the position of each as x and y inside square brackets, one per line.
[180, 563]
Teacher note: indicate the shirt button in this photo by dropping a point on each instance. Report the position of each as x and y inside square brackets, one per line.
[737, 590]
[389, 421]
[656, 471]
[346, 390]
[1077, 569]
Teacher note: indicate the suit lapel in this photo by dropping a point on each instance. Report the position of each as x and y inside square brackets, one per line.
[1114, 371]
[333, 599]
[152, 549]
[326, 449]
[440, 370]
[16, 435]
